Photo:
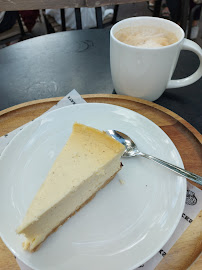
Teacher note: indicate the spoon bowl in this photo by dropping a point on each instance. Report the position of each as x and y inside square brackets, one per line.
[131, 149]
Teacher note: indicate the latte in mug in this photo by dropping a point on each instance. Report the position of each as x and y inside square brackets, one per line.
[146, 36]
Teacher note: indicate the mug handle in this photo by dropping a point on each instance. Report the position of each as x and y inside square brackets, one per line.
[190, 46]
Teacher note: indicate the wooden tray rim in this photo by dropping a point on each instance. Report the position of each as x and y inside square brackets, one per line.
[187, 125]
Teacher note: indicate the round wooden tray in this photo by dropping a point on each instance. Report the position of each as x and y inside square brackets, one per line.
[186, 251]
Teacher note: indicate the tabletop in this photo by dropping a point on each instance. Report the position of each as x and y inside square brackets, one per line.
[52, 65]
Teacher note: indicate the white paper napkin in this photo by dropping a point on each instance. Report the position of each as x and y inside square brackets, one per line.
[193, 200]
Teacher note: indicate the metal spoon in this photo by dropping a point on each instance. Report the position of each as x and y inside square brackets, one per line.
[131, 151]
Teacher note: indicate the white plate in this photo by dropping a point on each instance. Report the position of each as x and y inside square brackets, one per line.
[125, 224]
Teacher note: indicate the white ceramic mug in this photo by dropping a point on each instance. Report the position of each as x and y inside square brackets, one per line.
[146, 72]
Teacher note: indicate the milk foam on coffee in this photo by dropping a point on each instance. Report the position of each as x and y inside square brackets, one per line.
[146, 36]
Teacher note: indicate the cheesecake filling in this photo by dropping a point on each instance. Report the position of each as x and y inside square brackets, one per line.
[43, 226]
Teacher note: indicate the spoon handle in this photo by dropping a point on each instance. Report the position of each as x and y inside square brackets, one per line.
[192, 176]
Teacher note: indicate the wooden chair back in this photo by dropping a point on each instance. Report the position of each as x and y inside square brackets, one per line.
[58, 4]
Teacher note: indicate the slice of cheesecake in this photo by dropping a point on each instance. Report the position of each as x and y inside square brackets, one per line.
[89, 160]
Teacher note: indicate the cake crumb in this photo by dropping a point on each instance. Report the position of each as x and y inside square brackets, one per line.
[121, 182]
